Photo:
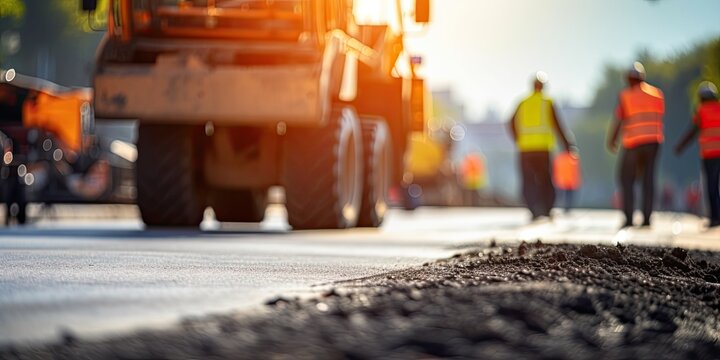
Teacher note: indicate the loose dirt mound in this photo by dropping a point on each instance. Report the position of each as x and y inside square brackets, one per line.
[534, 301]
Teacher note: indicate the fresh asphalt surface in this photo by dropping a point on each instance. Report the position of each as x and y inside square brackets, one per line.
[94, 275]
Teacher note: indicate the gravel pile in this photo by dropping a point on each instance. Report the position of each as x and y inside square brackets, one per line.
[532, 301]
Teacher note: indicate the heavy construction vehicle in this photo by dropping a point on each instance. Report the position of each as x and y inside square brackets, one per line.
[235, 96]
[430, 177]
[50, 151]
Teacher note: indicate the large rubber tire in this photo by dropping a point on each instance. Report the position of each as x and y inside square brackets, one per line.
[246, 205]
[323, 173]
[377, 152]
[170, 190]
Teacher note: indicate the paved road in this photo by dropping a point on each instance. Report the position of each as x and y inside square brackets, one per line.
[94, 275]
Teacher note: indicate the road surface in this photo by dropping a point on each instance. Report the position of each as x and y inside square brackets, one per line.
[93, 275]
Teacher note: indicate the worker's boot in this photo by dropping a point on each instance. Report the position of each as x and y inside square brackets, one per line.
[627, 224]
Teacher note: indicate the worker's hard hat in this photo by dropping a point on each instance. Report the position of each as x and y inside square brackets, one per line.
[540, 78]
[637, 71]
[707, 91]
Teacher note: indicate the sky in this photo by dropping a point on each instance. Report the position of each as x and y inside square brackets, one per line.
[486, 51]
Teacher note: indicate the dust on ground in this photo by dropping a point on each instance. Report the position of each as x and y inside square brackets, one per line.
[532, 301]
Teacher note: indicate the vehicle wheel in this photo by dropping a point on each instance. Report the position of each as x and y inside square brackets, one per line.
[239, 205]
[376, 182]
[323, 173]
[169, 185]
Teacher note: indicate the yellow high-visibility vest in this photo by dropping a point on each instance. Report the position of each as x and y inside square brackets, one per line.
[534, 125]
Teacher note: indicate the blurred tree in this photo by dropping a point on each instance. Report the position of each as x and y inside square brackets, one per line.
[11, 9]
[55, 40]
[678, 77]
[77, 19]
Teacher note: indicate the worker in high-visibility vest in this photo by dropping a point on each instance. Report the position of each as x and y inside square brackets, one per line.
[566, 175]
[533, 127]
[706, 123]
[473, 178]
[639, 119]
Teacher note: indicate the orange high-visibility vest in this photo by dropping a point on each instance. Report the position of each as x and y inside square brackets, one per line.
[473, 172]
[641, 111]
[566, 171]
[707, 119]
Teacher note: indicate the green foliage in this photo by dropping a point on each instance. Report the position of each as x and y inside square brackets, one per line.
[12, 9]
[56, 41]
[43, 14]
[79, 20]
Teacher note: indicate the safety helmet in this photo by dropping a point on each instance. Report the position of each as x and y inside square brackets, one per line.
[707, 91]
[540, 78]
[637, 71]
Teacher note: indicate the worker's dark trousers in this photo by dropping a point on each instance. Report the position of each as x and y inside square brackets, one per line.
[14, 193]
[567, 196]
[712, 182]
[537, 185]
[637, 162]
